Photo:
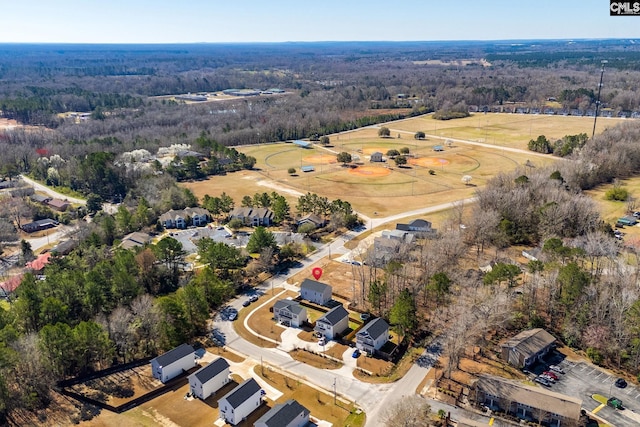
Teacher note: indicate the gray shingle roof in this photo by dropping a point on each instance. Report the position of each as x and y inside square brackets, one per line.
[293, 306]
[241, 393]
[314, 285]
[205, 373]
[530, 342]
[336, 314]
[375, 328]
[282, 414]
[173, 355]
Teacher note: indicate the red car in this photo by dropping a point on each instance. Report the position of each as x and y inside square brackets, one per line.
[551, 374]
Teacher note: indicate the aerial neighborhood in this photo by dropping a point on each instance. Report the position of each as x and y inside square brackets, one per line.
[363, 234]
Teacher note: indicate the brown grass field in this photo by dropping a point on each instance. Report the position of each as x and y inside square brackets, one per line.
[387, 189]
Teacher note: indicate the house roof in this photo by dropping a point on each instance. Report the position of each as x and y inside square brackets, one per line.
[39, 198]
[182, 213]
[41, 223]
[135, 239]
[241, 393]
[536, 397]
[335, 315]
[210, 371]
[292, 306]
[174, 355]
[57, 203]
[247, 212]
[311, 218]
[65, 247]
[314, 286]
[40, 262]
[420, 223]
[375, 328]
[11, 283]
[376, 153]
[282, 414]
[530, 342]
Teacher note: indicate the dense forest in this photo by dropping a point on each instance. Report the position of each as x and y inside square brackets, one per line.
[99, 306]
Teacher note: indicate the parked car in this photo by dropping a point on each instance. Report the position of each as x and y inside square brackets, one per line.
[253, 298]
[232, 316]
[543, 381]
[620, 383]
[548, 378]
[246, 303]
[551, 374]
[615, 403]
[355, 353]
[556, 369]
[322, 341]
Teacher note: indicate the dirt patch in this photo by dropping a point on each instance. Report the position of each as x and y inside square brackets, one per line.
[314, 360]
[336, 350]
[223, 352]
[370, 150]
[320, 404]
[377, 367]
[320, 159]
[369, 171]
[429, 162]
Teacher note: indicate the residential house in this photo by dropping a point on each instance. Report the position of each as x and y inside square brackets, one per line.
[41, 224]
[527, 347]
[376, 156]
[288, 414]
[135, 240]
[334, 322]
[10, 285]
[236, 405]
[37, 265]
[252, 216]
[184, 217]
[65, 247]
[311, 219]
[289, 313]
[419, 227]
[389, 246]
[530, 403]
[372, 336]
[173, 363]
[207, 380]
[316, 292]
[40, 198]
[58, 205]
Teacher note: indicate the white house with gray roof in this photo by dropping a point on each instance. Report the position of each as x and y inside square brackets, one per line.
[527, 347]
[173, 363]
[334, 322]
[207, 380]
[372, 336]
[288, 414]
[316, 292]
[236, 405]
[289, 313]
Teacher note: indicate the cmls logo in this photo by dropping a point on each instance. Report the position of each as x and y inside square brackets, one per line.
[624, 8]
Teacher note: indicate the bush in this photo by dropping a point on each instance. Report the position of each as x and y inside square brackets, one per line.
[617, 193]
[291, 171]
[595, 355]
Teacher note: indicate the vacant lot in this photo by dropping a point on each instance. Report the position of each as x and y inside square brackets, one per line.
[510, 130]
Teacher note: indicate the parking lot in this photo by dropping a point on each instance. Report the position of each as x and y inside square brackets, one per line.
[582, 380]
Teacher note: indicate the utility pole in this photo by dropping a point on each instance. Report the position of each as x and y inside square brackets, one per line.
[604, 62]
[335, 398]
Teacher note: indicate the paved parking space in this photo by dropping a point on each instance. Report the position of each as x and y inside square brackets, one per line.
[582, 380]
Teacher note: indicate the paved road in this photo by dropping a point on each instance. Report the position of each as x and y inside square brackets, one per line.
[44, 189]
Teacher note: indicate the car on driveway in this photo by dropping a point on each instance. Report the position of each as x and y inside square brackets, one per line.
[620, 383]
[355, 353]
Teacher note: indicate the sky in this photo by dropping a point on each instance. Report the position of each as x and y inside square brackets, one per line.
[216, 21]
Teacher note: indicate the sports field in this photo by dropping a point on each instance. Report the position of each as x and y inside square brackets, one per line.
[429, 178]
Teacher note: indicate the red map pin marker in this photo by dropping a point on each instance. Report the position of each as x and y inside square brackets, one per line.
[317, 273]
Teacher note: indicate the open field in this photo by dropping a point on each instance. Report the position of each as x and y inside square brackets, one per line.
[510, 130]
[612, 210]
[429, 178]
